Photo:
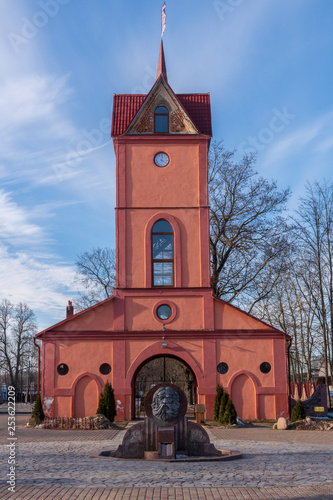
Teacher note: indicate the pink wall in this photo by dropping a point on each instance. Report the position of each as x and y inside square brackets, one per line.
[178, 190]
[179, 180]
[202, 351]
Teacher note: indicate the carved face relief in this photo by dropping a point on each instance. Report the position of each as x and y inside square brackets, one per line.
[165, 404]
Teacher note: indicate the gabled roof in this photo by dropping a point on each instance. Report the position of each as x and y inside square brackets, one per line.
[198, 107]
[251, 317]
[74, 316]
[126, 107]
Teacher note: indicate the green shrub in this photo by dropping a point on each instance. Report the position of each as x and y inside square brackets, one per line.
[107, 404]
[101, 410]
[223, 404]
[230, 414]
[217, 401]
[298, 412]
[38, 410]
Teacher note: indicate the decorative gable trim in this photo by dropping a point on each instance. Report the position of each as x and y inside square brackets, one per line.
[162, 95]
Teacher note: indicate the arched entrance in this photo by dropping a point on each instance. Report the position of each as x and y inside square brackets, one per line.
[243, 397]
[162, 369]
[86, 397]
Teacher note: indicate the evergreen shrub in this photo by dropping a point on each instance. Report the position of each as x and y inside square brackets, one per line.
[217, 401]
[298, 412]
[230, 414]
[107, 403]
[38, 412]
[223, 404]
[101, 410]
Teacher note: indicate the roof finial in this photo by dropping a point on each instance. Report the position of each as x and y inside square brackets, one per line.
[161, 68]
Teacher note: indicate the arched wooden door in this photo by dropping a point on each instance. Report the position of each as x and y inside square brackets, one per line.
[244, 398]
[86, 398]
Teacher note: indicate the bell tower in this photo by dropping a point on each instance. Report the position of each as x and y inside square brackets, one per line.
[161, 143]
[163, 305]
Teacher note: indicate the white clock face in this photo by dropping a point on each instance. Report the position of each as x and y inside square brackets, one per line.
[161, 159]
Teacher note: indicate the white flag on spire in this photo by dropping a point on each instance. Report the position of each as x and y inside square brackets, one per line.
[163, 18]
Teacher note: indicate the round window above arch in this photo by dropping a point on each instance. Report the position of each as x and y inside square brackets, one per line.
[164, 311]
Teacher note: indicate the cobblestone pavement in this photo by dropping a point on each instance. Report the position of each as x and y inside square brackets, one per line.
[63, 493]
[275, 464]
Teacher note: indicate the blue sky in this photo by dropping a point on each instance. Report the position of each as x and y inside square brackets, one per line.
[266, 63]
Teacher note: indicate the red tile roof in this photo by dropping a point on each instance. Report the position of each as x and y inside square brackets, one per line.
[197, 107]
[126, 106]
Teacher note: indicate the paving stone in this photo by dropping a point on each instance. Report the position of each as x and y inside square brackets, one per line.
[58, 464]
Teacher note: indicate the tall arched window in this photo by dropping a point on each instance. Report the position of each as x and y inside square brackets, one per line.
[162, 253]
[161, 120]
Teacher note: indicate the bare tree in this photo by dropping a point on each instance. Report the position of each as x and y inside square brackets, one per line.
[17, 327]
[314, 221]
[6, 316]
[290, 309]
[248, 236]
[96, 271]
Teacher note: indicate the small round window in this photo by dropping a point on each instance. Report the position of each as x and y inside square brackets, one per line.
[105, 369]
[265, 367]
[222, 368]
[164, 311]
[62, 369]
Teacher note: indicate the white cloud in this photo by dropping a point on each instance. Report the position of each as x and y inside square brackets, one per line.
[14, 221]
[41, 146]
[313, 137]
[325, 145]
[66, 166]
[31, 99]
[39, 281]
[31, 104]
[292, 142]
[37, 127]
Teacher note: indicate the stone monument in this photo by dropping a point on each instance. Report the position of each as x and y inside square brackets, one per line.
[166, 433]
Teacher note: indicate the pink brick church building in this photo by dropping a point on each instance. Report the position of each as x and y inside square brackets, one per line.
[163, 312]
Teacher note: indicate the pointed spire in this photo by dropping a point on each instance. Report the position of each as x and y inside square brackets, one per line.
[161, 68]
